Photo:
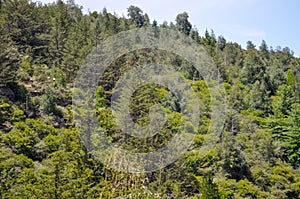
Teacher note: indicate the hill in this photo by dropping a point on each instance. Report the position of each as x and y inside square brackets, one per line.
[44, 154]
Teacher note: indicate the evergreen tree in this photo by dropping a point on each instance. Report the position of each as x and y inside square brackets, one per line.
[60, 25]
[48, 101]
[293, 141]
[9, 60]
[250, 45]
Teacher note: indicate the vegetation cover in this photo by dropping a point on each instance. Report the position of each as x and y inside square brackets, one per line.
[41, 155]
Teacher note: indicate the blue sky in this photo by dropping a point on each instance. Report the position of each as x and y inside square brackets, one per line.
[277, 21]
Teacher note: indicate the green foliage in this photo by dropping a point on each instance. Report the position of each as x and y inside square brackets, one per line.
[284, 99]
[59, 77]
[5, 112]
[136, 16]
[183, 24]
[259, 97]
[48, 101]
[9, 58]
[293, 140]
[100, 100]
[42, 155]
[235, 164]
[290, 78]
[208, 188]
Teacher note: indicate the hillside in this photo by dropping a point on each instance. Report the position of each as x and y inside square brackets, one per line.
[48, 136]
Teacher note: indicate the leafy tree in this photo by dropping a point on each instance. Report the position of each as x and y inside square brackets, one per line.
[234, 162]
[136, 16]
[183, 24]
[100, 100]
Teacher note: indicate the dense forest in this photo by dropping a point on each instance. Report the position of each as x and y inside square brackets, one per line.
[42, 47]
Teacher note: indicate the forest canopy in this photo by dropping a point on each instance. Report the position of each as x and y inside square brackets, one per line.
[43, 46]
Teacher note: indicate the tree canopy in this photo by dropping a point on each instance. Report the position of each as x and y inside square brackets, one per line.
[42, 155]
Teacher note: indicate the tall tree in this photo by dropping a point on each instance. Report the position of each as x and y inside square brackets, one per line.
[250, 45]
[183, 24]
[293, 141]
[78, 44]
[19, 21]
[60, 25]
[9, 59]
[136, 16]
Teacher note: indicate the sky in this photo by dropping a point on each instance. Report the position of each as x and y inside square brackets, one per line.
[275, 21]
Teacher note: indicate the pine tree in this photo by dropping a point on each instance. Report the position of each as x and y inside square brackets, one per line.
[293, 141]
[9, 60]
[48, 101]
[60, 25]
[18, 20]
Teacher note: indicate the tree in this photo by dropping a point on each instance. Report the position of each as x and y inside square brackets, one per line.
[234, 162]
[9, 59]
[209, 41]
[290, 78]
[195, 35]
[147, 20]
[254, 69]
[285, 99]
[19, 21]
[100, 100]
[48, 101]
[183, 24]
[250, 45]
[209, 189]
[276, 72]
[5, 112]
[221, 42]
[293, 141]
[76, 47]
[136, 16]
[263, 49]
[260, 97]
[60, 20]
[232, 54]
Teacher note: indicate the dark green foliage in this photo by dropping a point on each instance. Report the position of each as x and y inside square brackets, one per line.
[250, 45]
[9, 59]
[48, 101]
[136, 16]
[183, 24]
